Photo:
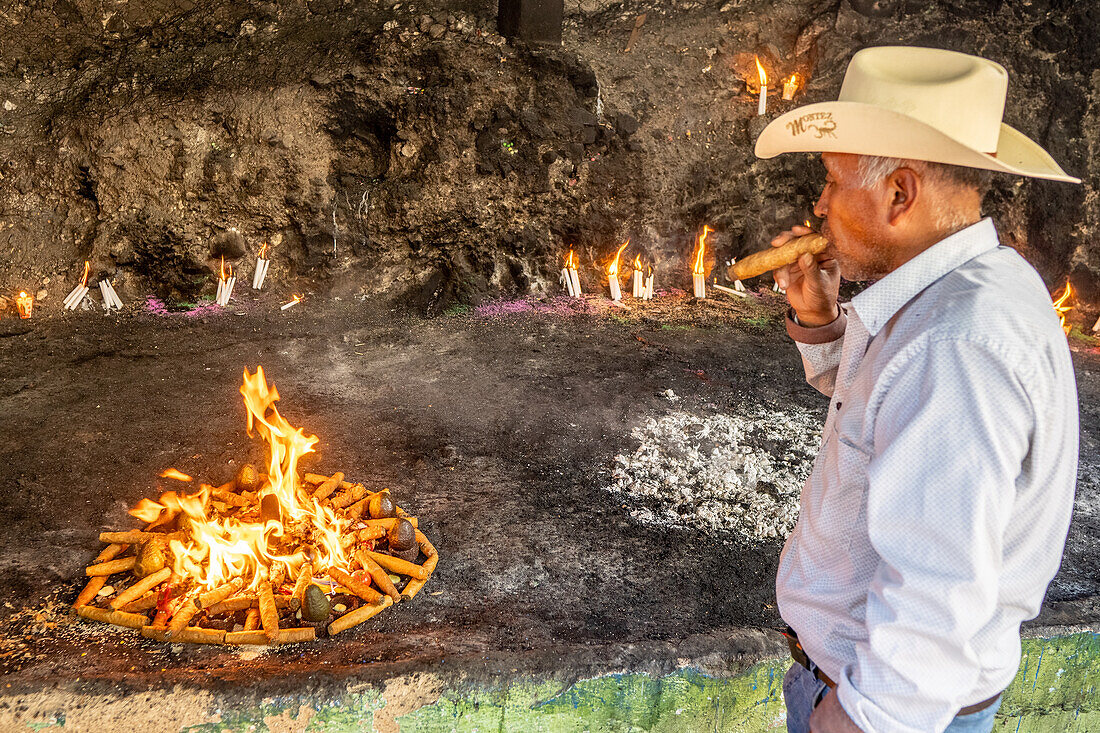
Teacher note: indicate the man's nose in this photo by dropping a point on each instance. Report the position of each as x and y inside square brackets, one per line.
[821, 208]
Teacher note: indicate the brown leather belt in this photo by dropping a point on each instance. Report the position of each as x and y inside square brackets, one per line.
[799, 655]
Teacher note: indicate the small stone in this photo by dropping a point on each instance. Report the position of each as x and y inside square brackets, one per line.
[41, 295]
[9, 105]
[437, 31]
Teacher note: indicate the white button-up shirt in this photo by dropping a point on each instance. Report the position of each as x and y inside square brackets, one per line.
[938, 506]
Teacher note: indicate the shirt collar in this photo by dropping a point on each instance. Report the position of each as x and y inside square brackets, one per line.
[876, 305]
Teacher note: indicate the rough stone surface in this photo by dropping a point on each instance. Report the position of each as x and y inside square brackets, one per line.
[406, 149]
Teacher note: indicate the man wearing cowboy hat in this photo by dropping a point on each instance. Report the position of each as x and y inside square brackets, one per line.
[938, 507]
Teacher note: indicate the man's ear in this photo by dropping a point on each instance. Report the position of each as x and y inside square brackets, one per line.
[903, 187]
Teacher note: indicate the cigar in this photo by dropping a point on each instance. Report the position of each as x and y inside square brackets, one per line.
[352, 495]
[328, 486]
[111, 566]
[145, 603]
[251, 620]
[356, 510]
[305, 577]
[118, 618]
[110, 552]
[388, 522]
[219, 594]
[130, 537]
[285, 636]
[371, 533]
[138, 589]
[425, 546]
[91, 590]
[278, 576]
[413, 587]
[358, 616]
[358, 587]
[232, 605]
[223, 494]
[775, 257]
[320, 478]
[181, 618]
[192, 634]
[399, 566]
[379, 576]
[269, 616]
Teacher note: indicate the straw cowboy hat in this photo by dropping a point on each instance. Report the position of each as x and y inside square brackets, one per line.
[916, 103]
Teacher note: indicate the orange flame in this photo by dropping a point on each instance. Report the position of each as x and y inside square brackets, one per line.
[1061, 309]
[24, 304]
[699, 250]
[790, 85]
[638, 262]
[570, 261]
[84, 278]
[613, 268]
[263, 251]
[174, 474]
[220, 549]
[221, 270]
[760, 73]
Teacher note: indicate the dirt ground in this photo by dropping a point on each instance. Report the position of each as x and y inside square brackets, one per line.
[497, 430]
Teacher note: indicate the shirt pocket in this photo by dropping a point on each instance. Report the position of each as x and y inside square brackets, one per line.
[844, 506]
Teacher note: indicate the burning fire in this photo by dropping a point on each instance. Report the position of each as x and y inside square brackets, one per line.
[700, 248]
[24, 304]
[84, 278]
[263, 251]
[761, 75]
[790, 85]
[571, 261]
[613, 268]
[221, 549]
[638, 263]
[1061, 309]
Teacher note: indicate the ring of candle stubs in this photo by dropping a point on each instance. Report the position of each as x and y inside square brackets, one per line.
[266, 558]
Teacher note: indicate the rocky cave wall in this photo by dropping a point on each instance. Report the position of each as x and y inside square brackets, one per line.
[404, 149]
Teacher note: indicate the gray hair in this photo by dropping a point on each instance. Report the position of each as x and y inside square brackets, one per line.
[873, 168]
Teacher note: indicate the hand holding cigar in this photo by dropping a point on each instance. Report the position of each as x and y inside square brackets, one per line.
[802, 268]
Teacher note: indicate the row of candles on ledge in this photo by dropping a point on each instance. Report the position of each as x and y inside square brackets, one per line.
[24, 302]
[643, 282]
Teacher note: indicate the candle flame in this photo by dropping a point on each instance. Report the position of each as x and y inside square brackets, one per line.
[699, 250]
[174, 474]
[790, 85]
[613, 268]
[1061, 309]
[760, 73]
[571, 261]
[84, 278]
[638, 262]
[24, 304]
[221, 269]
[263, 251]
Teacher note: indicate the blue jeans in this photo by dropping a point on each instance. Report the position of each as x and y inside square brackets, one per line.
[802, 692]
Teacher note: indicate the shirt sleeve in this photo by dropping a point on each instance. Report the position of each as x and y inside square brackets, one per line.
[821, 350]
[950, 437]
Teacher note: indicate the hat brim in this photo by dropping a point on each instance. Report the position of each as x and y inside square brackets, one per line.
[865, 129]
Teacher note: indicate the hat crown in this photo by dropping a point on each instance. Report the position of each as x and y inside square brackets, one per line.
[963, 96]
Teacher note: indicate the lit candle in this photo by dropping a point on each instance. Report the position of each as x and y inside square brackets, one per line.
[790, 86]
[613, 274]
[567, 276]
[260, 272]
[76, 295]
[24, 303]
[762, 106]
[291, 304]
[647, 292]
[638, 285]
[698, 273]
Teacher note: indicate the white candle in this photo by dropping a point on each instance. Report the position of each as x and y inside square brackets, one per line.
[730, 291]
[260, 273]
[221, 288]
[74, 297]
[699, 284]
[1096, 326]
[228, 292]
[638, 286]
[648, 290]
[567, 280]
[763, 76]
[613, 284]
[107, 302]
[113, 295]
[291, 304]
[576, 282]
